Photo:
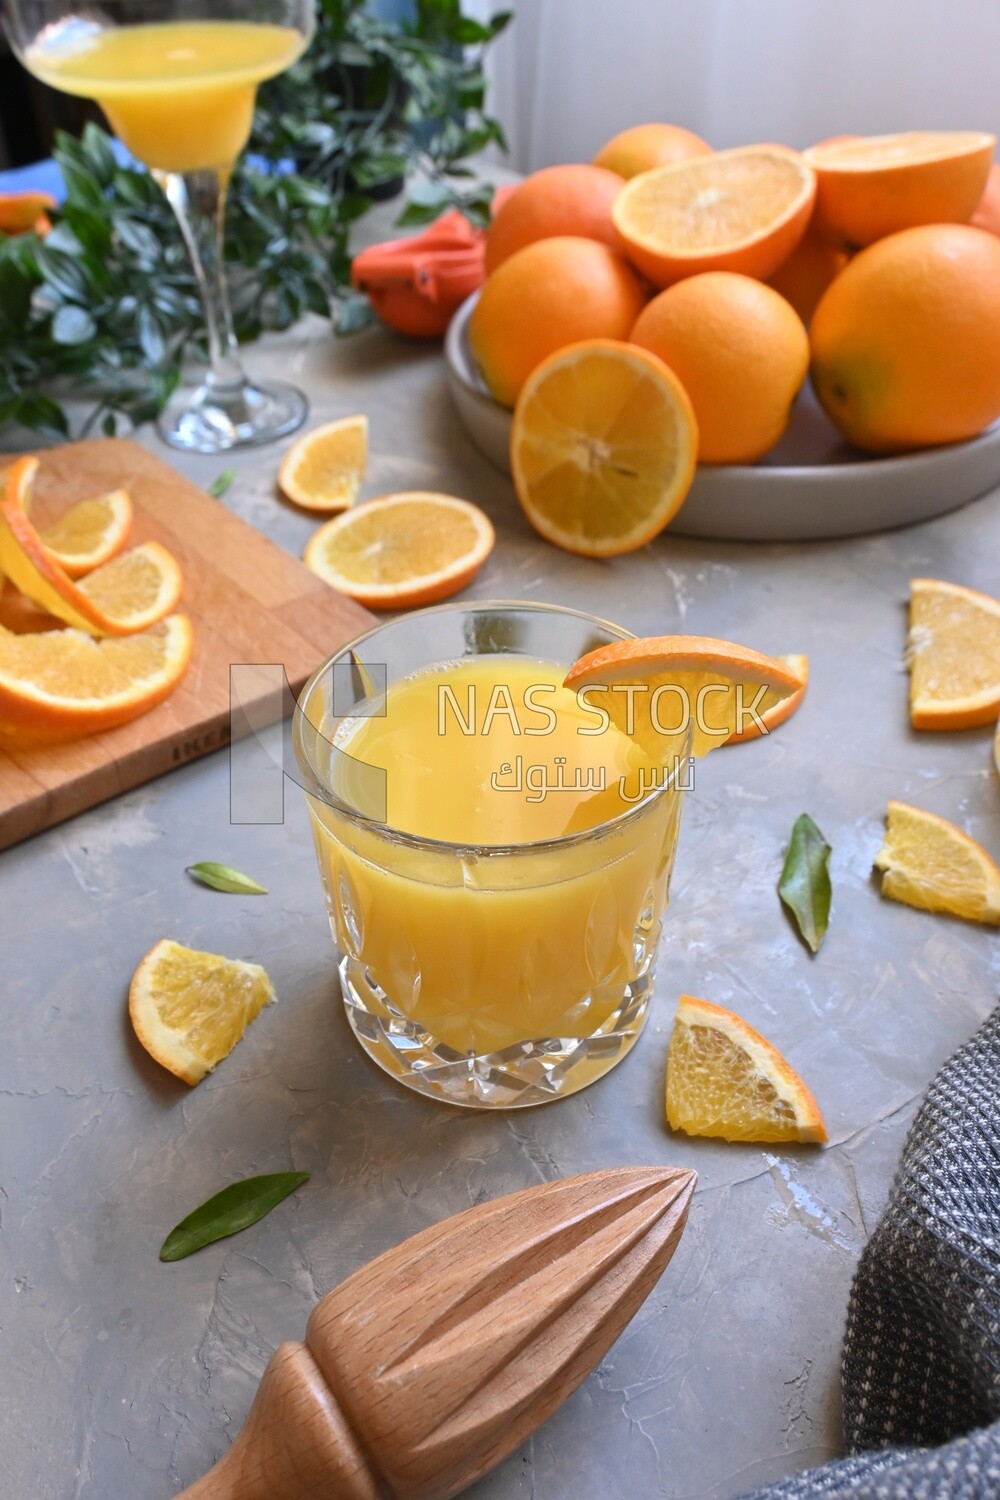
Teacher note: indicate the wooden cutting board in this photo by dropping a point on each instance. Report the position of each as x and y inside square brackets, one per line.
[248, 601]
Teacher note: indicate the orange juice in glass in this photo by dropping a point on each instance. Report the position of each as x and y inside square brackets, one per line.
[495, 853]
[178, 81]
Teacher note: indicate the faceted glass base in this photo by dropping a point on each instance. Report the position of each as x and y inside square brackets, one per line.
[216, 419]
[530, 1073]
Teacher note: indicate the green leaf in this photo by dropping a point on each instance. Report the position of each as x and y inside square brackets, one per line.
[804, 886]
[353, 313]
[217, 489]
[73, 325]
[236, 1207]
[224, 877]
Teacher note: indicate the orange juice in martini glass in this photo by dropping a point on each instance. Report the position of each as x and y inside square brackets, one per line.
[178, 81]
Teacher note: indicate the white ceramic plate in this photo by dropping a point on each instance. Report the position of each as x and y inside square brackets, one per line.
[811, 485]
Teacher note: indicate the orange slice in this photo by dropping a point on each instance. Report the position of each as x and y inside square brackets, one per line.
[725, 1080]
[129, 593]
[953, 656]
[65, 682]
[189, 1009]
[323, 470]
[401, 550]
[602, 447]
[90, 533]
[928, 862]
[662, 689]
[741, 210]
[871, 186]
[775, 709]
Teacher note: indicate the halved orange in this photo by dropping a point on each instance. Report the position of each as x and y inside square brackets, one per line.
[129, 593]
[740, 210]
[681, 686]
[189, 1009]
[602, 447]
[726, 1081]
[775, 709]
[871, 186]
[928, 862]
[65, 682]
[90, 533]
[953, 656]
[402, 550]
[323, 469]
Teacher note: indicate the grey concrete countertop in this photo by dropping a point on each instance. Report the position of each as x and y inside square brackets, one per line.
[122, 1376]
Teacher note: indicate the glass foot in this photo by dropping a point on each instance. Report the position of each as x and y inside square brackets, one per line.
[530, 1073]
[216, 420]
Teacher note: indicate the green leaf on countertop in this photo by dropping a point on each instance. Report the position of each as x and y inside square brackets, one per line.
[225, 878]
[234, 1208]
[804, 886]
[219, 486]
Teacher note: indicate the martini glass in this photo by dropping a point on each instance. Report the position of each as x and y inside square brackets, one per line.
[177, 80]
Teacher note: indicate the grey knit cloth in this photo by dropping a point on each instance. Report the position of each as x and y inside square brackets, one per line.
[921, 1370]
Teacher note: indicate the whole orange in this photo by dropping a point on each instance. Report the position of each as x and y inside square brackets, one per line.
[805, 275]
[906, 340]
[643, 147]
[987, 215]
[741, 353]
[571, 200]
[544, 297]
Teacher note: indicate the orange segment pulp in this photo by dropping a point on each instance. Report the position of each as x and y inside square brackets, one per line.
[402, 550]
[603, 447]
[740, 210]
[323, 469]
[928, 862]
[129, 593]
[90, 533]
[775, 708]
[65, 682]
[727, 1081]
[953, 656]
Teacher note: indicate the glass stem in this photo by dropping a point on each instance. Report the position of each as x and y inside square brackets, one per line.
[199, 201]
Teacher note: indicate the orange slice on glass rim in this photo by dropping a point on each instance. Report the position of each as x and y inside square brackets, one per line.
[725, 1080]
[603, 447]
[131, 592]
[927, 862]
[742, 210]
[323, 469]
[775, 709]
[402, 550]
[953, 656]
[65, 682]
[677, 692]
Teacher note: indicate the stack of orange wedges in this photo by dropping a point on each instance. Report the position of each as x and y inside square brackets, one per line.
[124, 650]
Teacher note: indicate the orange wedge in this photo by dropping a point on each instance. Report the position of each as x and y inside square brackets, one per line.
[662, 689]
[725, 1080]
[90, 533]
[401, 550]
[871, 186]
[189, 1009]
[928, 862]
[129, 593]
[20, 212]
[65, 682]
[741, 210]
[953, 656]
[602, 447]
[323, 470]
[775, 709]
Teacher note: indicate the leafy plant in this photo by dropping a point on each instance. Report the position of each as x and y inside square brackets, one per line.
[106, 305]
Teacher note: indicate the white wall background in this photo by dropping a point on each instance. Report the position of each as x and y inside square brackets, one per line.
[570, 73]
